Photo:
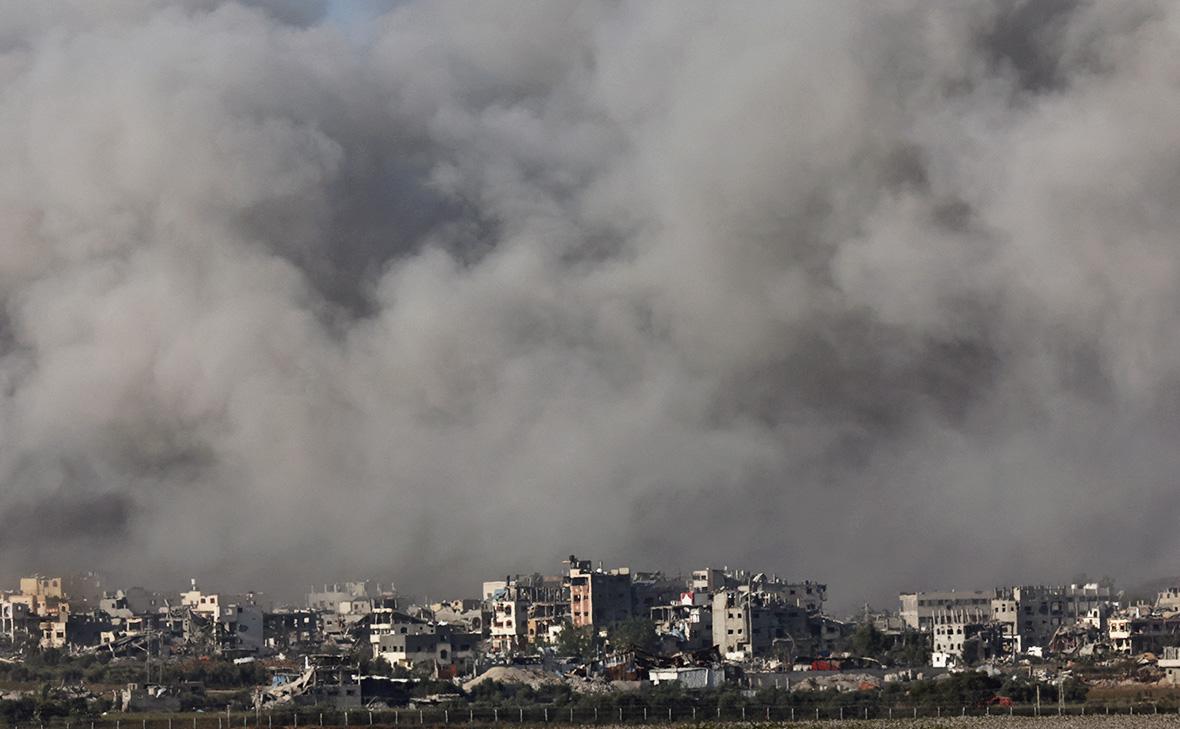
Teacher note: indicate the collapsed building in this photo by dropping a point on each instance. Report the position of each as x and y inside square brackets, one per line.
[1170, 663]
[334, 681]
[441, 648]
[1029, 617]
[965, 638]
[1032, 614]
[919, 609]
[1143, 631]
[688, 620]
[525, 611]
[806, 594]
[747, 624]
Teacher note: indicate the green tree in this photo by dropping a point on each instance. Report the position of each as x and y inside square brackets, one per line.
[579, 642]
[634, 634]
[870, 642]
[911, 649]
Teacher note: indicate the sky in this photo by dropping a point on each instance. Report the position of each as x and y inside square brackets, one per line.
[876, 294]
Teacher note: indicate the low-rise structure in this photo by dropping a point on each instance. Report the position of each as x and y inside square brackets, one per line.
[1170, 662]
[690, 677]
[440, 649]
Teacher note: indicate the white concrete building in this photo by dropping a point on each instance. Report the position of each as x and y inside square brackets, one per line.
[919, 608]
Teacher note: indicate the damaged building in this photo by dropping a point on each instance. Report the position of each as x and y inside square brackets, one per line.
[965, 638]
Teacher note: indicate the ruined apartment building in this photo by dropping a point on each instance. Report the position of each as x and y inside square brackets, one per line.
[14, 618]
[1034, 613]
[806, 594]
[346, 598]
[690, 617]
[524, 610]
[598, 598]
[1170, 662]
[1144, 632]
[1168, 599]
[965, 637]
[755, 624]
[919, 608]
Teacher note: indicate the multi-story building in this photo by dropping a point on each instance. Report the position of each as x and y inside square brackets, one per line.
[710, 580]
[39, 586]
[242, 628]
[509, 630]
[918, 609]
[283, 629]
[1034, 613]
[348, 597]
[211, 604]
[752, 624]
[14, 618]
[689, 619]
[1170, 662]
[471, 614]
[546, 620]
[1143, 631]
[1168, 599]
[806, 594]
[965, 637]
[1028, 615]
[599, 598]
[651, 589]
[137, 601]
[828, 635]
[440, 648]
[42, 597]
[53, 632]
[394, 622]
[524, 610]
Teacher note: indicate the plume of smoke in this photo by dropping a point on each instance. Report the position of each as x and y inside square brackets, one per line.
[880, 294]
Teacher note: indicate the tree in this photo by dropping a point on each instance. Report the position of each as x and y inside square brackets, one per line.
[914, 649]
[15, 711]
[373, 666]
[578, 642]
[634, 634]
[868, 641]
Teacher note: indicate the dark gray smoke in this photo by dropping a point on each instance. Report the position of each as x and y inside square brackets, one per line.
[877, 293]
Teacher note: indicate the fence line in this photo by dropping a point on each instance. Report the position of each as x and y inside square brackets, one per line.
[636, 713]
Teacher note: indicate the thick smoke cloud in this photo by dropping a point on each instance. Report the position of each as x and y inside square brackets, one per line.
[881, 294]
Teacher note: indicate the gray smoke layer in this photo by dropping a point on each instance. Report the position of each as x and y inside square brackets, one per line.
[883, 294]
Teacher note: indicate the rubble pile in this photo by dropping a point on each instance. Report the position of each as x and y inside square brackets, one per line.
[536, 678]
[842, 682]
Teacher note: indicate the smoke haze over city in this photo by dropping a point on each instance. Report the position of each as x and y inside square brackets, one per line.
[879, 294]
